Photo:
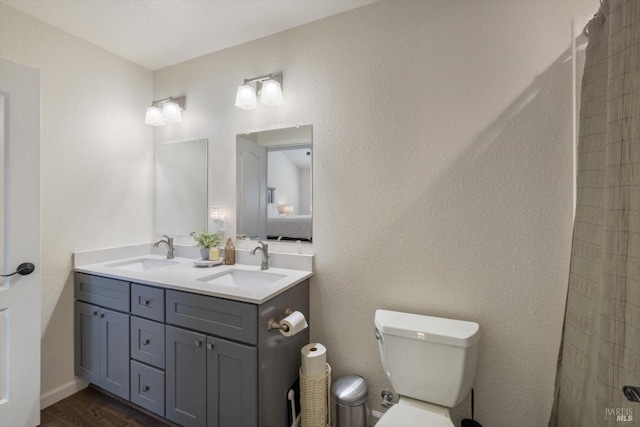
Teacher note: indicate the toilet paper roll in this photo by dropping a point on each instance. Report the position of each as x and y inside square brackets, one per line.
[314, 359]
[293, 323]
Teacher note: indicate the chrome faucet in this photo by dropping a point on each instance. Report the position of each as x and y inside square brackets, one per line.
[169, 243]
[264, 248]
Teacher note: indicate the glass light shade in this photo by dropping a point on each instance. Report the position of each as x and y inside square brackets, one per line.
[154, 117]
[171, 112]
[246, 98]
[271, 93]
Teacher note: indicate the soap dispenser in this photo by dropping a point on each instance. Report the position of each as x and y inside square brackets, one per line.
[229, 253]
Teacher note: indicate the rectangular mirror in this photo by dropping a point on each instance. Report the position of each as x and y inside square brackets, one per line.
[181, 187]
[274, 184]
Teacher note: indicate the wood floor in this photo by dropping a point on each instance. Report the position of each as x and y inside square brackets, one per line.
[93, 408]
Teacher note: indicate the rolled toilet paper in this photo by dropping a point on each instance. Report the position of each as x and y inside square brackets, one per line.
[293, 323]
[314, 359]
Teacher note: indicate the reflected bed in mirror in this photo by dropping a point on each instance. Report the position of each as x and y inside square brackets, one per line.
[274, 184]
[181, 187]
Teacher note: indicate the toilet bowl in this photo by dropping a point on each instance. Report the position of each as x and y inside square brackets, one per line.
[430, 362]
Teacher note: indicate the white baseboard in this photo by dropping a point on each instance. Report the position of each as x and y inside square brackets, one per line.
[59, 393]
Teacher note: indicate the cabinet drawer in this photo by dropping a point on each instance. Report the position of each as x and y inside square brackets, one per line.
[147, 341]
[147, 387]
[147, 302]
[224, 318]
[109, 293]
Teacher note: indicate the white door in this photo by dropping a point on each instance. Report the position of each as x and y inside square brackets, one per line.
[19, 243]
[252, 189]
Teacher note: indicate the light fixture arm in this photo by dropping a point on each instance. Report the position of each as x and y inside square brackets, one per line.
[262, 79]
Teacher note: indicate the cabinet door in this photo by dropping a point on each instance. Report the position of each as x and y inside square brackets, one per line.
[186, 387]
[114, 352]
[87, 342]
[232, 384]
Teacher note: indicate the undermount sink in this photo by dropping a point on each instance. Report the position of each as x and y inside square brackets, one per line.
[141, 264]
[241, 278]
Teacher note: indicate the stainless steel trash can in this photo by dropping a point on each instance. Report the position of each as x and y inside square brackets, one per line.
[349, 395]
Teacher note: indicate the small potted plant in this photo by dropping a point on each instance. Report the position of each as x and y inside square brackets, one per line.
[209, 244]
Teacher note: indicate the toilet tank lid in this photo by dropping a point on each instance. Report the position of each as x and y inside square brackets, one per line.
[459, 333]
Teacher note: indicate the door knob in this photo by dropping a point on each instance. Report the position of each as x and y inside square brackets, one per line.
[23, 269]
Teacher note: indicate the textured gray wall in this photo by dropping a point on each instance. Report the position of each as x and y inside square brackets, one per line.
[442, 175]
[97, 167]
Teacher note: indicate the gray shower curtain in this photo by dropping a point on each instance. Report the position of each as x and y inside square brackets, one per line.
[600, 350]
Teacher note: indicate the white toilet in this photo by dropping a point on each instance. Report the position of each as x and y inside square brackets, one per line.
[430, 362]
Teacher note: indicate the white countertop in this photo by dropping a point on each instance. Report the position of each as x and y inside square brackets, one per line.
[183, 276]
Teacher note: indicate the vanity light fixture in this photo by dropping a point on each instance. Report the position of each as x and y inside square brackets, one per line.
[269, 88]
[171, 111]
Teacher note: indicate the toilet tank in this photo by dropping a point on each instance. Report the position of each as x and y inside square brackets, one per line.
[428, 358]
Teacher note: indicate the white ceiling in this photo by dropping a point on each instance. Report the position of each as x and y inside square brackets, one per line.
[159, 33]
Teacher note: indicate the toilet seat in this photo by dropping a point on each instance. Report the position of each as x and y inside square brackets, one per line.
[410, 416]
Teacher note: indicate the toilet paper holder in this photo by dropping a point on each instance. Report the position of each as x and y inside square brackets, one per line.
[272, 324]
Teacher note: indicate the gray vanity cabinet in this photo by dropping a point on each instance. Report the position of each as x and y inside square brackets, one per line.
[102, 347]
[195, 359]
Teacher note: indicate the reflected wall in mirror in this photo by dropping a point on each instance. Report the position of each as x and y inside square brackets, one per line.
[181, 187]
[274, 184]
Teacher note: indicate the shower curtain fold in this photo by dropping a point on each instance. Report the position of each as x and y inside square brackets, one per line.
[600, 348]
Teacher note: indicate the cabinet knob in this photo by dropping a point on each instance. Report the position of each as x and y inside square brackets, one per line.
[95, 313]
[145, 388]
[101, 315]
[145, 342]
[146, 303]
[198, 343]
[209, 346]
